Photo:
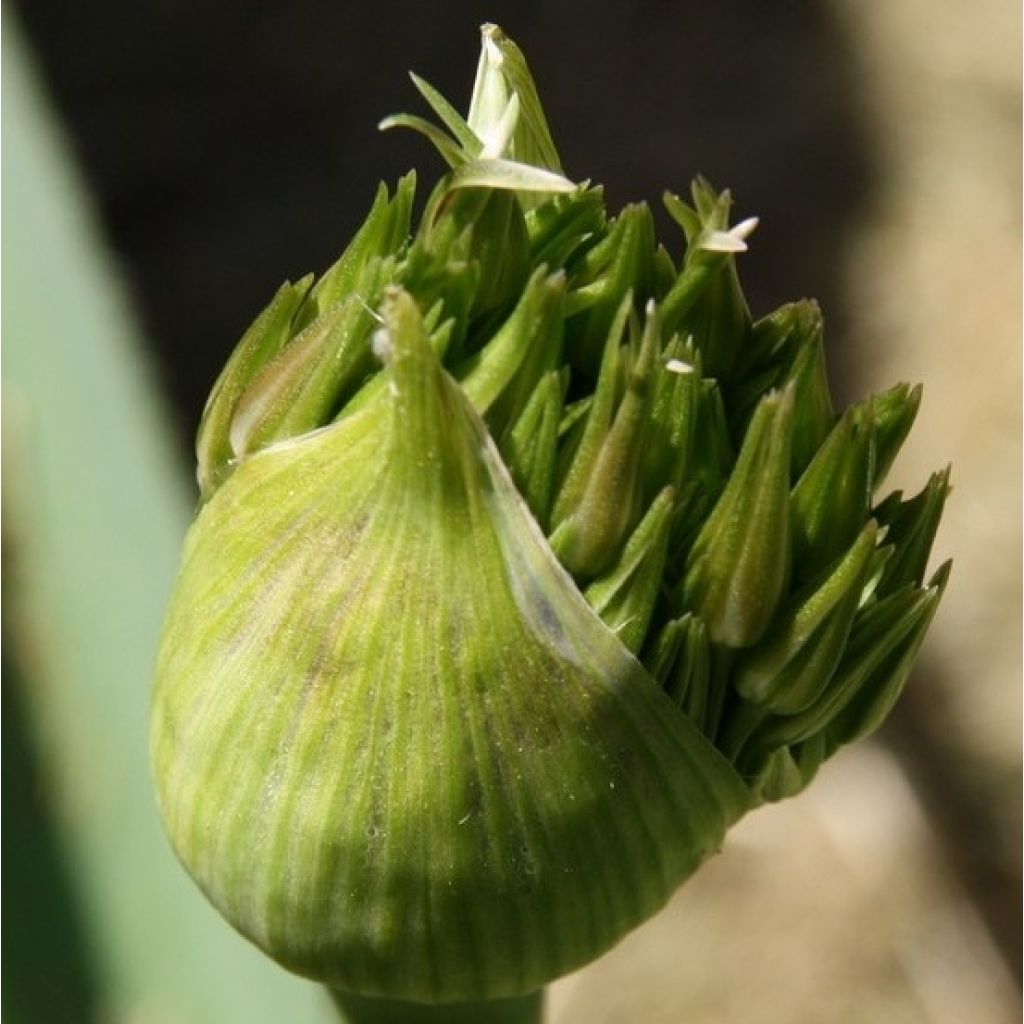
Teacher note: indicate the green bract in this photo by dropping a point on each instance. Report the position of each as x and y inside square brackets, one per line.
[527, 563]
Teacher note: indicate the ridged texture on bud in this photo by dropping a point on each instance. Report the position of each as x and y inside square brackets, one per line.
[527, 562]
[394, 790]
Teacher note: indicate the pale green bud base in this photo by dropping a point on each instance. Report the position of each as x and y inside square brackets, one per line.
[526, 1009]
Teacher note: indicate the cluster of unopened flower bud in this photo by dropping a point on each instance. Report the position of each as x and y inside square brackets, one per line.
[557, 368]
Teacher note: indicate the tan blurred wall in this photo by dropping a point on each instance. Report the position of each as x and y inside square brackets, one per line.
[935, 290]
[934, 286]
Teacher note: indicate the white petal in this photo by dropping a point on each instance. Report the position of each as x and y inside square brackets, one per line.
[722, 241]
[678, 366]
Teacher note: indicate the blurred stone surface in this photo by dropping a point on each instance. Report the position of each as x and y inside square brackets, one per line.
[835, 908]
[934, 289]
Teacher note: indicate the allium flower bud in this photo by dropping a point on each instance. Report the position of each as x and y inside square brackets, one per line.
[526, 563]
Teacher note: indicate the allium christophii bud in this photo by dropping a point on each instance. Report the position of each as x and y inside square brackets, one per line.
[526, 563]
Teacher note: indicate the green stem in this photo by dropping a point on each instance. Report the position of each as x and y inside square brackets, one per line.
[363, 1010]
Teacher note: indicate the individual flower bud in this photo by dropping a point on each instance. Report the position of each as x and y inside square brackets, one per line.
[270, 385]
[668, 448]
[773, 343]
[689, 679]
[704, 474]
[787, 771]
[787, 346]
[895, 411]
[270, 331]
[779, 776]
[831, 499]
[504, 141]
[485, 230]
[787, 672]
[664, 273]
[617, 266]
[813, 417]
[877, 695]
[713, 457]
[663, 650]
[498, 244]
[382, 234]
[501, 377]
[910, 528]
[706, 302]
[590, 531]
[883, 641]
[625, 594]
[562, 225]
[308, 381]
[502, 148]
[532, 444]
[739, 565]
[502, 78]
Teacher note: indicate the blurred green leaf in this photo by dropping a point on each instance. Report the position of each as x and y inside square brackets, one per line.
[95, 510]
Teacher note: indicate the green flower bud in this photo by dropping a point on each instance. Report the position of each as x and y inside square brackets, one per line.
[787, 346]
[780, 776]
[877, 695]
[895, 411]
[559, 227]
[739, 565]
[787, 672]
[501, 377]
[310, 378]
[382, 234]
[832, 497]
[624, 595]
[588, 422]
[264, 339]
[712, 453]
[706, 301]
[617, 266]
[712, 461]
[883, 643]
[501, 605]
[533, 443]
[910, 528]
[504, 83]
[687, 671]
[677, 394]
[494, 240]
[586, 538]
[813, 417]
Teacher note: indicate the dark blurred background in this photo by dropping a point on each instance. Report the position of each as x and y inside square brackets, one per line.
[232, 144]
[228, 145]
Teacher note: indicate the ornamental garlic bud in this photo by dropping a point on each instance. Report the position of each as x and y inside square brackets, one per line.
[526, 564]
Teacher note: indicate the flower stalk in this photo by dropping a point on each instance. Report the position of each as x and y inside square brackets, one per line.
[352, 1009]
